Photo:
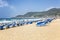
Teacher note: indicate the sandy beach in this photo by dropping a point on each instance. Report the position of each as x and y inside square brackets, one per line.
[32, 32]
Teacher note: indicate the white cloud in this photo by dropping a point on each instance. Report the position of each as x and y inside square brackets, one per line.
[50, 8]
[12, 7]
[5, 4]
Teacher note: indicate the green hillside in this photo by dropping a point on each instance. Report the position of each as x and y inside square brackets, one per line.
[52, 12]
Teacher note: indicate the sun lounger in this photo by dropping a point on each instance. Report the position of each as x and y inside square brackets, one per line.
[9, 25]
[21, 23]
[49, 20]
[1, 27]
[29, 22]
[41, 24]
[14, 24]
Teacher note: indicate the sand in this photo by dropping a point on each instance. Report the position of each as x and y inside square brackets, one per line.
[32, 32]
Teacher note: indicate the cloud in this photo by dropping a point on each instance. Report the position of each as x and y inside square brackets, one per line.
[50, 8]
[5, 4]
[12, 7]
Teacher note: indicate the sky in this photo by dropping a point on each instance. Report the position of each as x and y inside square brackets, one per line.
[11, 8]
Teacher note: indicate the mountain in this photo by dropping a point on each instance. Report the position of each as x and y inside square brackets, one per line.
[50, 13]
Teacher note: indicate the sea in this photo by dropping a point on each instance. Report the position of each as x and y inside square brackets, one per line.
[4, 20]
[11, 19]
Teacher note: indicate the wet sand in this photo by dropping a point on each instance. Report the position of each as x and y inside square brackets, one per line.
[32, 32]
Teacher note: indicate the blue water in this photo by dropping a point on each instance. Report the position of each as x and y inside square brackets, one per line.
[9, 19]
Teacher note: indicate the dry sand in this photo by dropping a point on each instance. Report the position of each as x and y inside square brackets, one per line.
[32, 32]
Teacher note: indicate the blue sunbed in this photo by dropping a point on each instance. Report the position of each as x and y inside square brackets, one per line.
[1, 27]
[41, 24]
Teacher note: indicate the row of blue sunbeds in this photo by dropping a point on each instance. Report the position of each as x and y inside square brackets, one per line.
[14, 24]
[43, 23]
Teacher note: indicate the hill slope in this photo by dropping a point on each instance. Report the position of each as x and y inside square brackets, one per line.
[51, 12]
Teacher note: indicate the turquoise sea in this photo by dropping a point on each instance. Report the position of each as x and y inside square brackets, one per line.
[4, 20]
[10, 19]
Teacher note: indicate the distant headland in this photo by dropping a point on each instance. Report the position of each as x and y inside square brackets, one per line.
[54, 12]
